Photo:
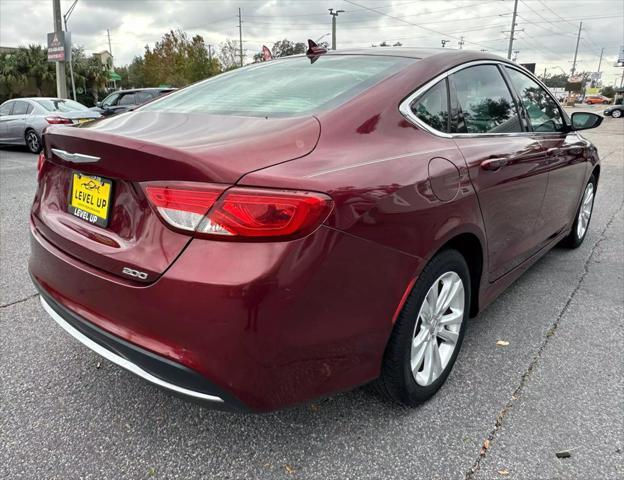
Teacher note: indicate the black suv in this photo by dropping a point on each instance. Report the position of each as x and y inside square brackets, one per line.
[123, 100]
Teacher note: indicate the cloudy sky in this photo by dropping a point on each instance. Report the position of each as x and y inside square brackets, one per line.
[547, 34]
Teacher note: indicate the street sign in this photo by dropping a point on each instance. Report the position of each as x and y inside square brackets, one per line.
[56, 47]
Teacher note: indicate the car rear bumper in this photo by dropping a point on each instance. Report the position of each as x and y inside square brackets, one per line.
[158, 370]
[263, 325]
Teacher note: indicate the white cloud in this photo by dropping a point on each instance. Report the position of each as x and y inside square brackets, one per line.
[547, 38]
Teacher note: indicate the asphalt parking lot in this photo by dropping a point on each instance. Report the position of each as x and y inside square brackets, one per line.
[558, 385]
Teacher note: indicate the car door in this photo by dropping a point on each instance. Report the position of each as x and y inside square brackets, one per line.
[16, 124]
[141, 97]
[108, 104]
[566, 154]
[126, 102]
[506, 164]
[5, 113]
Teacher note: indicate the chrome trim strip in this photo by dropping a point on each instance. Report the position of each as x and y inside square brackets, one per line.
[74, 157]
[406, 111]
[122, 362]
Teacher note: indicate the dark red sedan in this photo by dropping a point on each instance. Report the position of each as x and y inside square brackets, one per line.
[305, 225]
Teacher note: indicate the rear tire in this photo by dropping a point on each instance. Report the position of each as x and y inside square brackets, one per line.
[583, 216]
[33, 142]
[428, 333]
[616, 113]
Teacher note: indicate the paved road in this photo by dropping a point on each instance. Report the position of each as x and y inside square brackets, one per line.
[559, 384]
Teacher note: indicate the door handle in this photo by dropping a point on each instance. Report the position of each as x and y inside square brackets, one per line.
[554, 151]
[493, 164]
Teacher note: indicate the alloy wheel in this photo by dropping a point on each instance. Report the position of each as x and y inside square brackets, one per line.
[585, 211]
[32, 141]
[437, 328]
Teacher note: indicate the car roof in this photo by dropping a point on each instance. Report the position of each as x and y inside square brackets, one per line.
[419, 53]
[146, 89]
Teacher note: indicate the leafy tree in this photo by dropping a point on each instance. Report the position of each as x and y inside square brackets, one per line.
[556, 81]
[26, 65]
[608, 91]
[177, 60]
[39, 68]
[284, 48]
[229, 55]
[136, 73]
[90, 72]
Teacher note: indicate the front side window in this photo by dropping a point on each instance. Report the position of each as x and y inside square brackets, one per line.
[111, 100]
[544, 114]
[432, 108]
[283, 87]
[485, 101]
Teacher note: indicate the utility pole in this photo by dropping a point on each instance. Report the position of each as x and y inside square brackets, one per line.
[110, 50]
[61, 85]
[210, 53]
[513, 29]
[600, 61]
[334, 15]
[578, 39]
[240, 32]
[71, 61]
[461, 42]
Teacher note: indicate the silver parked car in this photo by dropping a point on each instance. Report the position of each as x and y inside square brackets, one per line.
[23, 120]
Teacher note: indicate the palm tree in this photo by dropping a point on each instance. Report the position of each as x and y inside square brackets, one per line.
[38, 66]
[12, 77]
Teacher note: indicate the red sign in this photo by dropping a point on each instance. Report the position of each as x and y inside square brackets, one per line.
[56, 47]
[266, 54]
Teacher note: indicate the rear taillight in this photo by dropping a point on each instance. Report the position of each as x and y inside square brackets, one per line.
[55, 120]
[240, 213]
[183, 206]
[40, 161]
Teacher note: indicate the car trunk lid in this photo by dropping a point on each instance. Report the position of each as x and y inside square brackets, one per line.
[150, 147]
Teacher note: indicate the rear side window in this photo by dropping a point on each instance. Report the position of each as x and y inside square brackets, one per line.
[127, 99]
[544, 114]
[60, 105]
[433, 107]
[283, 87]
[20, 108]
[141, 97]
[485, 101]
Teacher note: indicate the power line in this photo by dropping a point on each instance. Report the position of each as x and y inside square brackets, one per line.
[437, 32]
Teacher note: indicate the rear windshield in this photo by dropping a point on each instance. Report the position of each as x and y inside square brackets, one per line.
[59, 105]
[287, 87]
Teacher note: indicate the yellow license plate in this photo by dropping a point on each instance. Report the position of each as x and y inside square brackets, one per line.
[84, 120]
[90, 198]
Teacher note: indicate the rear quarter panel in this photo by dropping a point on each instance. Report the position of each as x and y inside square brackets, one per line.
[377, 168]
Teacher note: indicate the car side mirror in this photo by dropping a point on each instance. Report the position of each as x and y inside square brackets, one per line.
[98, 104]
[585, 120]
